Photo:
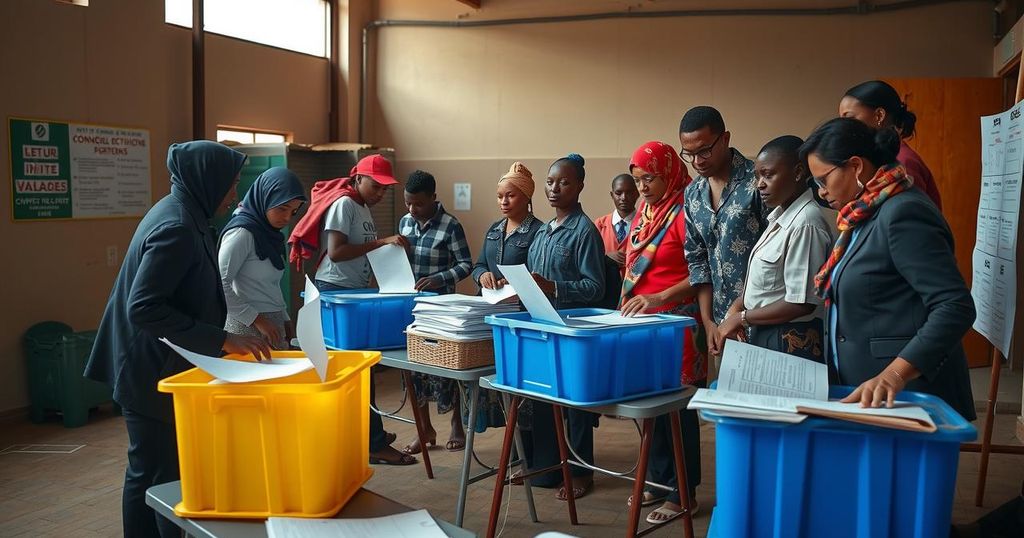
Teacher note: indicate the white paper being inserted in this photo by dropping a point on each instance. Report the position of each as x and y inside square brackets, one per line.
[530, 294]
[233, 371]
[498, 295]
[391, 268]
[310, 330]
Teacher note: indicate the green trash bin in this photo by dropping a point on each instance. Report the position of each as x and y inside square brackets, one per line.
[56, 360]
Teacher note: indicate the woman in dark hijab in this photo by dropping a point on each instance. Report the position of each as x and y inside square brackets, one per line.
[168, 287]
[251, 256]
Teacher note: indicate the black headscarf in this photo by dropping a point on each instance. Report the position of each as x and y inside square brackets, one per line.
[274, 187]
[203, 171]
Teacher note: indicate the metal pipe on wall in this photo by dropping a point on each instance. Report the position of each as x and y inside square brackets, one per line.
[198, 72]
[861, 8]
[334, 70]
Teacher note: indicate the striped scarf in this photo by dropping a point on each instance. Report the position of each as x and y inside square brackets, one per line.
[888, 181]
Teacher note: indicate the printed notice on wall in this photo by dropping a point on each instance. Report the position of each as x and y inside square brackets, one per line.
[68, 171]
[994, 283]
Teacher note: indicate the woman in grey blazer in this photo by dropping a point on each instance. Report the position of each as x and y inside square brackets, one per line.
[897, 306]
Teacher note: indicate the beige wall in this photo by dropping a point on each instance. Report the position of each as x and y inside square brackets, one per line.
[116, 62]
[464, 103]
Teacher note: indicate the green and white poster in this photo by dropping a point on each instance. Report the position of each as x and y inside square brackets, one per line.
[65, 170]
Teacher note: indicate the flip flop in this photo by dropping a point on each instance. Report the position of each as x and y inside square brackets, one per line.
[405, 459]
[578, 492]
[516, 479]
[649, 499]
[455, 445]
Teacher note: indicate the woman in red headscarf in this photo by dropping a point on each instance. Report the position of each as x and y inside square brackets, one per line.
[658, 280]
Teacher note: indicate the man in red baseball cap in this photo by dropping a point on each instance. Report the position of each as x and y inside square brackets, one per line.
[340, 212]
[377, 167]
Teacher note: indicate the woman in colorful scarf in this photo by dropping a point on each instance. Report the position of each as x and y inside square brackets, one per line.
[658, 280]
[778, 308]
[896, 304]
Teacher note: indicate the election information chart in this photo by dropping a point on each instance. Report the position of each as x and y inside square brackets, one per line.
[70, 171]
[994, 285]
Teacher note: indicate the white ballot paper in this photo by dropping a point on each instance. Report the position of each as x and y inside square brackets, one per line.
[310, 334]
[498, 295]
[530, 294]
[310, 330]
[234, 371]
[391, 268]
[756, 370]
[539, 307]
[417, 524]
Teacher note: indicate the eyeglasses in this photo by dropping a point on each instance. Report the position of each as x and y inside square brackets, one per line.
[704, 154]
[646, 180]
[821, 180]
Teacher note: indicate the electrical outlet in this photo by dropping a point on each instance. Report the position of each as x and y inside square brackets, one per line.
[112, 256]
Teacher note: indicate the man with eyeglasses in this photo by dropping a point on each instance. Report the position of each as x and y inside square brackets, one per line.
[724, 217]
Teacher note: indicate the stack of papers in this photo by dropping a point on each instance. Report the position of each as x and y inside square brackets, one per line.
[455, 317]
[762, 384]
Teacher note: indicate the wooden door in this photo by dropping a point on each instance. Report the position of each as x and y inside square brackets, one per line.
[949, 140]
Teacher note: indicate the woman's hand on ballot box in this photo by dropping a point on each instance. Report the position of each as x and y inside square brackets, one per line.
[882, 388]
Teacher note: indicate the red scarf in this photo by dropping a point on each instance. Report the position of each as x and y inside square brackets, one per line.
[661, 160]
[305, 237]
[888, 181]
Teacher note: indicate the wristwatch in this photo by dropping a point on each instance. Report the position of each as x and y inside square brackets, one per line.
[743, 319]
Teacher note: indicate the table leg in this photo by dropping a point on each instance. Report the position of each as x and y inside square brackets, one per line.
[646, 434]
[506, 453]
[563, 454]
[520, 448]
[681, 479]
[410, 392]
[467, 455]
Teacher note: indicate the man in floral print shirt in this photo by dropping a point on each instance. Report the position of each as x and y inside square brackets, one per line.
[724, 217]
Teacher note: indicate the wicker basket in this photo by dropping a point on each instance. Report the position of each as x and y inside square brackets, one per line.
[456, 355]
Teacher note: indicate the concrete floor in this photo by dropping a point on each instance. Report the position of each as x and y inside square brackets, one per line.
[78, 494]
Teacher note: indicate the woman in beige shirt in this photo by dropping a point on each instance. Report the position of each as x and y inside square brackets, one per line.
[778, 308]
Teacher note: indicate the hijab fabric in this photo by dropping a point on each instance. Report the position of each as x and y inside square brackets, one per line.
[203, 172]
[274, 187]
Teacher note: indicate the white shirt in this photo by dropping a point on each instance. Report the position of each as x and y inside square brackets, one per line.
[356, 222]
[251, 285]
[788, 254]
[628, 218]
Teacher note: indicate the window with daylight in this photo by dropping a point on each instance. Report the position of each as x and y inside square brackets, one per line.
[244, 136]
[298, 25]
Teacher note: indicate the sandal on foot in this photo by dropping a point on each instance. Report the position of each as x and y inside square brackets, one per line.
[578, 491]
[404, 459]
[664, 514]
[649, 499]
[410, 450]
[455, 445]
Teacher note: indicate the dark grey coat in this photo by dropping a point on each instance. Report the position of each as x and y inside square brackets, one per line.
[899, 294]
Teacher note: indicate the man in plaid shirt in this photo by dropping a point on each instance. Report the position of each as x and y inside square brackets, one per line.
[438, 249]
[440, 259]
